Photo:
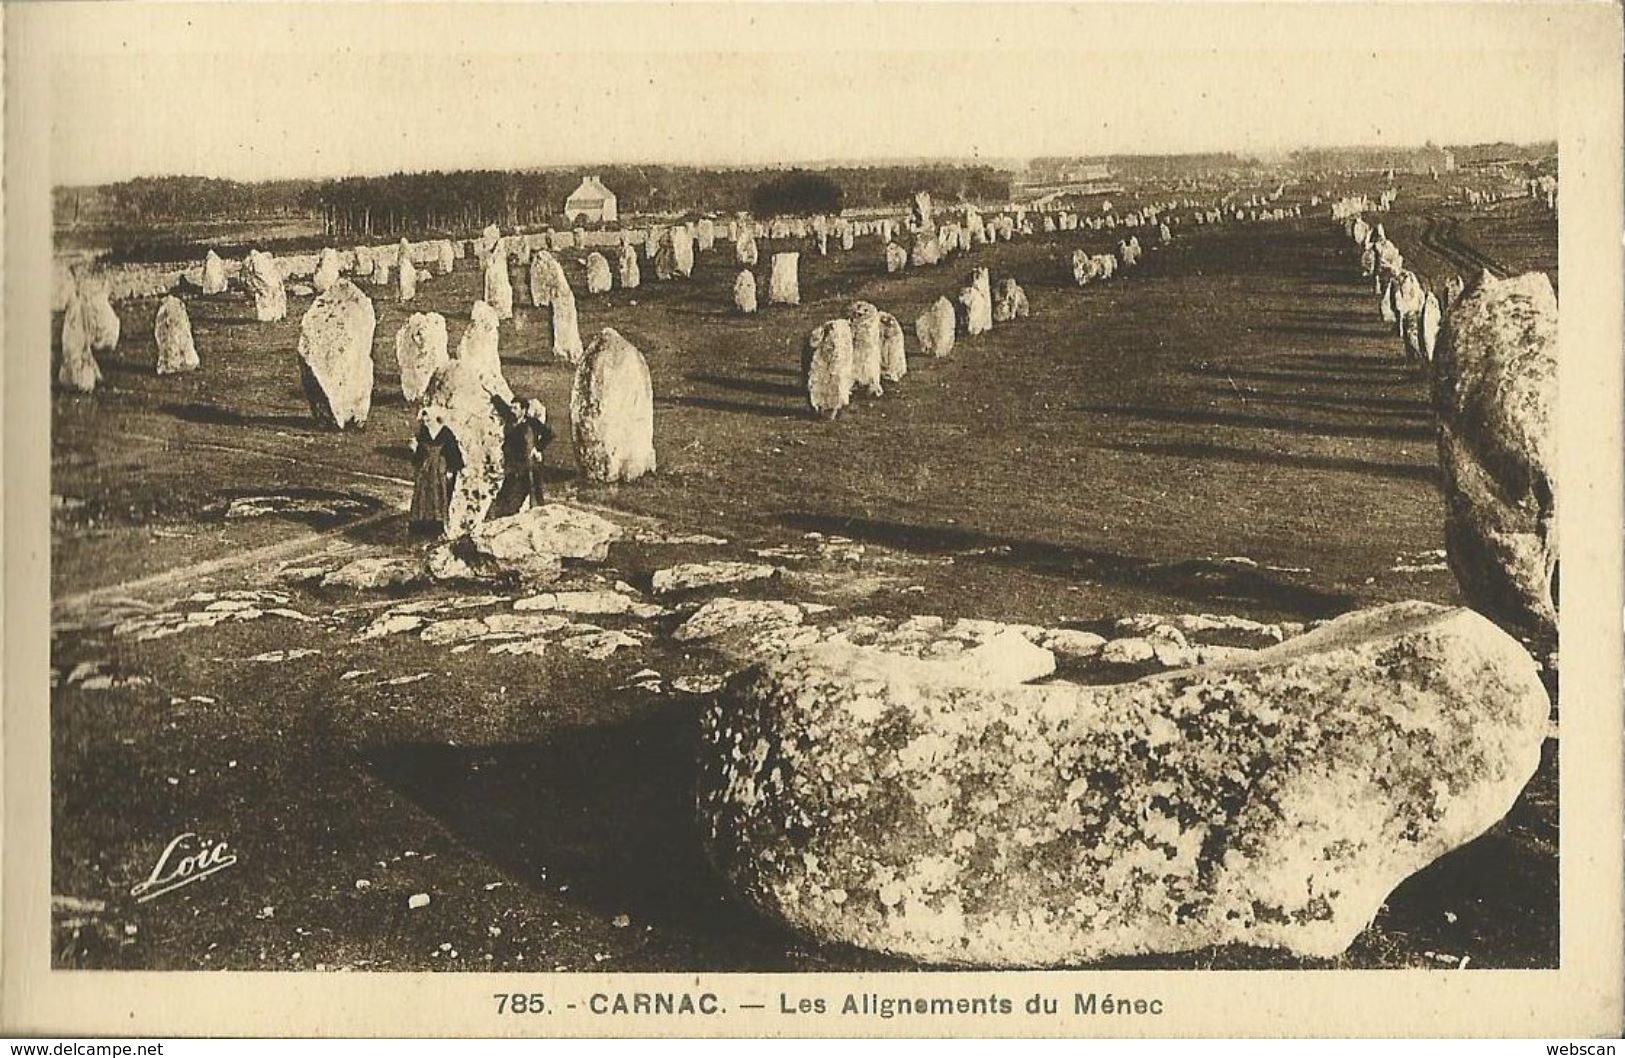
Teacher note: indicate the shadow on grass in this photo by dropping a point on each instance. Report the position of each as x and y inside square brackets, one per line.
[1241, 420]
[607, 811]
[1254, 457]
[748, 385]
[1215, 583]
[214, 415]
[737, 407]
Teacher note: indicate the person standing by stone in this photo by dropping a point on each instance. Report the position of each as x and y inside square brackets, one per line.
[438, 459]
[525, 437]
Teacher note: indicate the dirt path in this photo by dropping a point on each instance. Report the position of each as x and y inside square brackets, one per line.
[1443, 236]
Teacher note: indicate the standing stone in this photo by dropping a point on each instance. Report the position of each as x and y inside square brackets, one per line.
[893, 360]
[821, 240]
[407, 285]
[652, 241]
[547, 278]
[460, 395]
[566, 333]
[1428, 324]
[445, 257]
[783, 285]
[826, 368]
[327, 270]
[78, 368]
[335, 355]
[920, 213]
[1011, 303]
[612, 411]
[498, 288]
[865, 320]
[934, 329]
[978, 314]
[682, 246]
[489, 238]
[478, 349]
[666, 260]
[214, 274]
[630, 275]
[706, 234]
[745, 249]
[984, 283]
[172, 334]
[363, 262]
[420, 350]
[1495, 388]
[1272, 802]
[896, 258]
[265, 284]
[1453, 287]
[599, 278]
[745, 292]
[380, 269]
[103, 320]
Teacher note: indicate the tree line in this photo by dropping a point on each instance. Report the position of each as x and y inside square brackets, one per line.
[462, 201]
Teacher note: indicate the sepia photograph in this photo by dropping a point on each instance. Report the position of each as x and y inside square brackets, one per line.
[524, 502]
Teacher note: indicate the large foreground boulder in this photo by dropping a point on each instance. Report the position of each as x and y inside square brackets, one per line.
[953, 816]
[612, 411]
[172, 335]
[1495, 388]
[335, 355]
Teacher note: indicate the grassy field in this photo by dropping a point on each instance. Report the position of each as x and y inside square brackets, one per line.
[1236, 398]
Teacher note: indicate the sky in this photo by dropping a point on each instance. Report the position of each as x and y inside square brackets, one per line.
[286, 90]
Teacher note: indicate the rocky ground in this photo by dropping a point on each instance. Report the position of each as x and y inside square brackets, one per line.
[1206, 456]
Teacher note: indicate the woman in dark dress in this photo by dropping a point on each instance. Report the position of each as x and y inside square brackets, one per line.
[439, 460]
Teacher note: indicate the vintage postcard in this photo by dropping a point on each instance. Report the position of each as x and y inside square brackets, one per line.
[813, 520]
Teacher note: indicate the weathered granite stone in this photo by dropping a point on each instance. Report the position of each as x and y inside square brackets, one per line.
[612, 411]
[335, 355]
[934, 329]
[1495, 389]
[826, 368]
[420, 351]
[783, 284]
[865, 320]
[958, 817]
[172, 334]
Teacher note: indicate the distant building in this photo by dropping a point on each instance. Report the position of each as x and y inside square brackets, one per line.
[1083, 174]
[592, 201]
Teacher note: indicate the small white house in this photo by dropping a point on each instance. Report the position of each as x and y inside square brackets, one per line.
[592, 201]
